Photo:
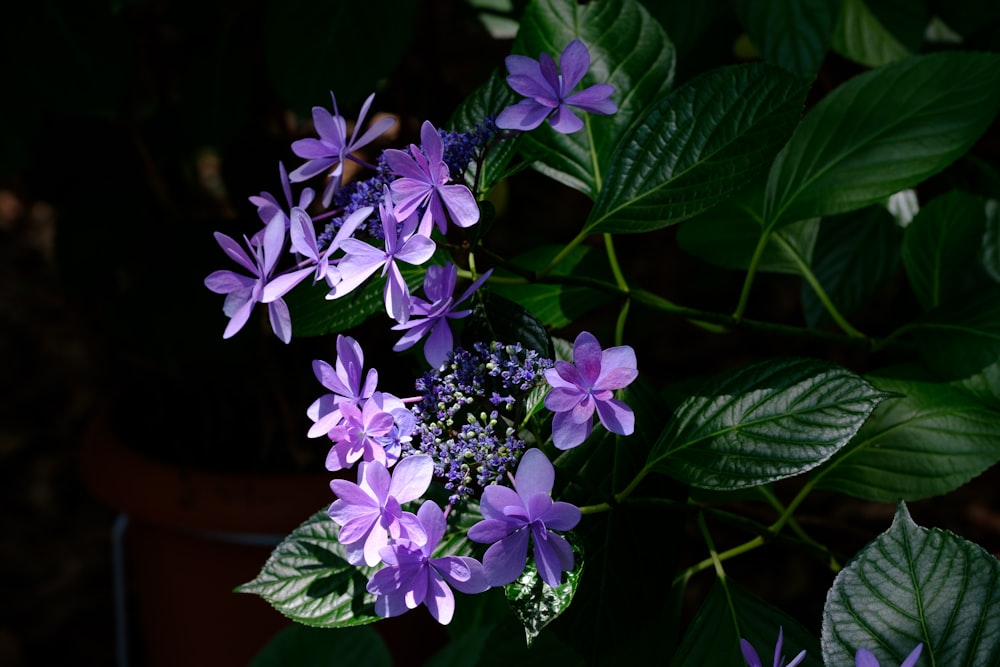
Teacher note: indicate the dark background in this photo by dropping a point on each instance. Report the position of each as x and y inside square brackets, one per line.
[130, 131]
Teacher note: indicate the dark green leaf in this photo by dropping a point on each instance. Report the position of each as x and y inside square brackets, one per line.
[961, 338]
[990, 253]
[628, 49]
[729, 241]
[860, 36]
[725, 617]
[854, 255]
[764, 422]
[498, 319]
[882, 132]
[308, 579]
[307, 42]
[931, 440]
[915, 585]
[697, 146]
[685, 22]
[303, 646]
[793, 34]
[557, 305]
[535, 603]
[941, 246]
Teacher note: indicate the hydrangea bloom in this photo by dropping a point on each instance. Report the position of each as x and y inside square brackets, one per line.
[588, 384]
[424, 183]
[430, 318]
[369, 512]
[304, 242]
[333, 147]
[550, 92]
[509, 516]
[753, 660]
[865, 658]
[268, 205]
[412, 577]
[244, 292]
[362, 432]
[362, 260]
[346, 383]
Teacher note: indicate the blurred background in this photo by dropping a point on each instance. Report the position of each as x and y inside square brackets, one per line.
[130, 131]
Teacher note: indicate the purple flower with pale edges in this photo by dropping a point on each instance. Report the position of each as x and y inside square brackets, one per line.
[268, 205]
[510, 516]
[369, 513]
[304, 242]
[359, 435]
[424, 183]
[244, 292]
[753, 660]
[549, 91]
[362, 260]
[865, 658]
[412, 577]
[348, 382]
[430, 318]
[588, 384]
[333, 146]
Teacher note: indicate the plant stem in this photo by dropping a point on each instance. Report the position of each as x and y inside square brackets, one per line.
[758, 252]
[577, 240]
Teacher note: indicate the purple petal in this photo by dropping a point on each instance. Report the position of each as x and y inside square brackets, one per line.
[535, 88]
[565, 375]
[495, 498]
[439, 599]
[377, 129]
[411, 477]
[417, 250]
[402, 164]
[616, 416]
[865, 658]
[564, 121]
[434, 524]
[281, 320]
[522, 66]
[567, 433]
[911, 659]
[749, 654]
[225, 282]
[397, 295]
[561, 516]
[460, 203]
[462, 573]
[374, 479]
[618, 368]
[235, 252]
[279, 286]
[430, 142]
[587, 357]
[534, 475]
[550, 74]
[553, 556]
[239, 318]
[352, 495]
[391, 605]
[439, 344]
[329, 378]
[377, 539]
[526, 115]
[562, 399]
[489, 531]
[594, 99]
[574, 63]
[504, 561]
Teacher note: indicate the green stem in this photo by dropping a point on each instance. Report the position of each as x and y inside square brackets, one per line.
[577, 240]
[758, 252]
[712, 553]
[616, 269]
[797, 529]
[807, 273]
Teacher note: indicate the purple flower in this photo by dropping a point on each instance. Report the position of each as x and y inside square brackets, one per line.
[509, 516]
[369, 512]
[243, 292]
[333, 147]
[413, 577]
[424, 183]
[865, 658]
[753, 660]
[268, 205]
[362, 260]
[345, 382]
[304, 242]
[547, 91]
[589, 383]
[359, 435]
[430, 318]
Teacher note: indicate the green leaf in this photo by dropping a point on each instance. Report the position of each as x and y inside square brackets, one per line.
[697, 146]
[882, 132]
[535, 603]
[308, 579]
[487, 101]
[628, 49]
[928, 442]
[498, 319]
[314, 315]
[960, 338]
[915, 585]
[303, 646]
[861, 37]
[557, 305]
[854, 255]
[726, 616]
[941, 246]
[793, 34]
[763, 422]
[990, 253]
[306, 42]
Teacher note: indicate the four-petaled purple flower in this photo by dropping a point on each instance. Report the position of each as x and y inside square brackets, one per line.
[333, 147]
[753, 660]
[430, 318]
[369, 512]
[510, 516]
[362, 260]
[424, 182]
[359, 436]
[865, 658]
[413, 577]
[589, 383]
[346, 383]
[549, 92]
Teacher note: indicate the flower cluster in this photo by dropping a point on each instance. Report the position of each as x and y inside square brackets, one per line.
[863, 657]
[466, 424]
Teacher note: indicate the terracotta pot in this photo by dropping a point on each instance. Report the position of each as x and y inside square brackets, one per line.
[191, 537]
